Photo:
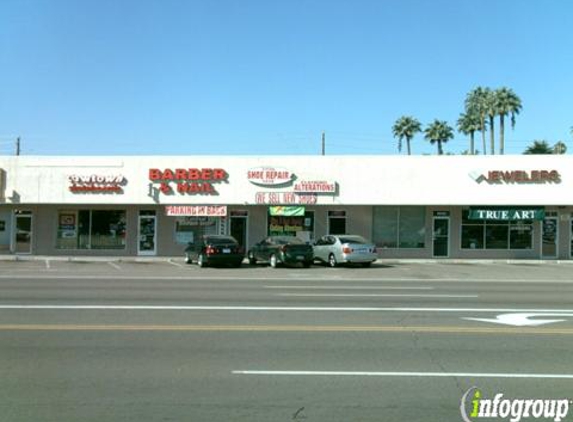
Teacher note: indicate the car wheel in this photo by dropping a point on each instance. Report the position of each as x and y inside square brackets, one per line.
[201, 261]
[188, 259]
[252, 259]
[274, 261]
[307, 264]
[332, 261]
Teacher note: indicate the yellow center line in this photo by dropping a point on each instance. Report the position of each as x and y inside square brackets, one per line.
[290, 328]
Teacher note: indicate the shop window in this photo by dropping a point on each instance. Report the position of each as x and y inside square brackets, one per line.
[496, 236]
[473, 236]
[336, 222]
[481, 234]
[520, 236]
[189, 229]
[91, 229]
[299, 226]
[399, 227]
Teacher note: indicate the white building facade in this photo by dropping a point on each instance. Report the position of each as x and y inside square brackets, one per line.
[472, 207]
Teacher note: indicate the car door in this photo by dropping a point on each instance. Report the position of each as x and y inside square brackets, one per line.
[321, 249]
[193, 249]
[334, 247]
[262, 250]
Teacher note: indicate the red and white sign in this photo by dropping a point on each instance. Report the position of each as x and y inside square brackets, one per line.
[191, 181]
[285, 198]
[97, 183]
[269, 176]
[196, 210]
[315, 186]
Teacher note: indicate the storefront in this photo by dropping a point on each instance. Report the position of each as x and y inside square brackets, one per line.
[510, 207]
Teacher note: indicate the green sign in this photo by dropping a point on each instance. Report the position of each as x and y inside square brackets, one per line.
[286, 211]
[507, 214]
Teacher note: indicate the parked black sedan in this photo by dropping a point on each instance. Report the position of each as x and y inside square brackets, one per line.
[276, 250]
[215, 250]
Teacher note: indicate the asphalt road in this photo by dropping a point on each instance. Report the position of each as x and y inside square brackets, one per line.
[126, 341]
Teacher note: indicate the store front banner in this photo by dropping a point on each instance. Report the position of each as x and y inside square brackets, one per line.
[196, 210]
[286, 211]
[506, 213]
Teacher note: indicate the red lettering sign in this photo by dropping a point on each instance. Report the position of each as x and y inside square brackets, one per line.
[192, 181]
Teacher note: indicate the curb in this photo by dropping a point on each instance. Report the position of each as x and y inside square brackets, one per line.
[392, 261]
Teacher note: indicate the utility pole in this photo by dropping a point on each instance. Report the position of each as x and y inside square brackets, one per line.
[18, 145]
[323, 143]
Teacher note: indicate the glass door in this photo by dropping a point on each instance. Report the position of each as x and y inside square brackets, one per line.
[549, 241]
[239, 227]
[23, 233]
[441, 237]
[147, 233]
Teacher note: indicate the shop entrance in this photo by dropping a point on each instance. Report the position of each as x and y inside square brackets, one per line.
[238, 227]
[549, 237]
[147, 233]
[441, 237]
[23, 235]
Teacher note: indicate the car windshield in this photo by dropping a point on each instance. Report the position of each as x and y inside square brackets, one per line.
[284, 240]
[353, 239]
[220, 240]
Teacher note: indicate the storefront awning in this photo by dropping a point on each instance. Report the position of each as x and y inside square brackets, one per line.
[286, 211]
[506, 213]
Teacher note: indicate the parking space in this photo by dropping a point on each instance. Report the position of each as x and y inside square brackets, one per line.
[381, 270]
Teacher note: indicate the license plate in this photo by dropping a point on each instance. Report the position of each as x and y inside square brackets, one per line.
[226, 250]
[300, 257]
[361, 250]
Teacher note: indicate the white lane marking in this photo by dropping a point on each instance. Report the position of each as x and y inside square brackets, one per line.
[114, 265]
[522, 319]
[350, 287]
[463, 281]
[277, 308]
[209, 276]
[175, 263]
[373, 295]
[408, 374]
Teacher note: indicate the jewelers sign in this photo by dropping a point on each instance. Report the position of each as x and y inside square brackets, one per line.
[196, 210]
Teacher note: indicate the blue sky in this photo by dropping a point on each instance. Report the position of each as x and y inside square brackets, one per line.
[109, 77]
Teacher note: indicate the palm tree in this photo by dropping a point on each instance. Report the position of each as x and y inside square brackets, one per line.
[406, 127]
[491, 110]
[439, 132]
[476, 103]
[559, 148]
[469, 124]
[508, 103]
[539, 147]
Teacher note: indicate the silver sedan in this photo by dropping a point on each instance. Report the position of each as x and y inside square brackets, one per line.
[341, 249]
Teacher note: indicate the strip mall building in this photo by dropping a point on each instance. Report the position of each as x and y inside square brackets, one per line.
[471, 207]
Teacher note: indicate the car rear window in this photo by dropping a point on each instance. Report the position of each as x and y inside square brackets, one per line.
[220, 240]
[353, 239]
[288, 239]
